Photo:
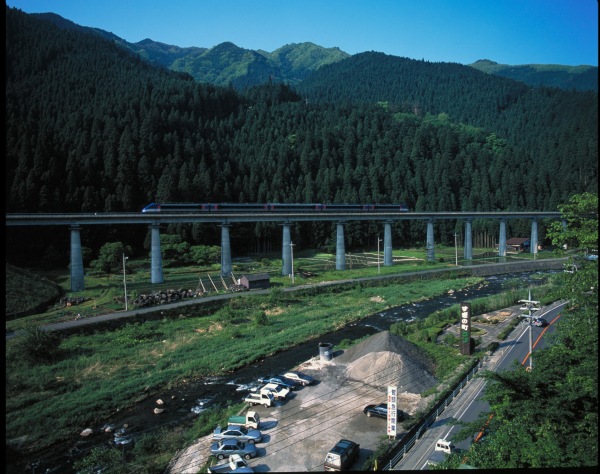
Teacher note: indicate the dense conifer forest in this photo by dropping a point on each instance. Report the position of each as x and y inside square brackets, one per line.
[91, 127]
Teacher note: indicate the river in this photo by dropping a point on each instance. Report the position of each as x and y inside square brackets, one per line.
[182, 405]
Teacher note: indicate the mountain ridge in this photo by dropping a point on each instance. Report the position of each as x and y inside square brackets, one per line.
[228, 64]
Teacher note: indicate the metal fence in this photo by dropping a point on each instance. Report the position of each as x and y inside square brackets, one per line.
[407, 442]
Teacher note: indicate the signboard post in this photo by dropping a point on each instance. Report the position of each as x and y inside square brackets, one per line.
[392, 410]
[465, 328]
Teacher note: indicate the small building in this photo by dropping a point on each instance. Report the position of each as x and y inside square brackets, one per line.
[517, 244]
[255, 281]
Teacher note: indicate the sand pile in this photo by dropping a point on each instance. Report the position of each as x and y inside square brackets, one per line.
[385, 359]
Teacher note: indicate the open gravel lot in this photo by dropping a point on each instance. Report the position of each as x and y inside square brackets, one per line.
[298, 432]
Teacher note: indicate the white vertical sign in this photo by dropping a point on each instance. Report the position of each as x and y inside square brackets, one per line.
[392, 410]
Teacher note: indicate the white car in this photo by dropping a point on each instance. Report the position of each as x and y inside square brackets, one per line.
[299, 377]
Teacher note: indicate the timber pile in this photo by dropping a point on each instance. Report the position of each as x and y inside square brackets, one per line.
[70, 301]
[165, 297]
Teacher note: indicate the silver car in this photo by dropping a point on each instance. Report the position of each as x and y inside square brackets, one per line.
[225, 448]
[239, 433]
[299, 377]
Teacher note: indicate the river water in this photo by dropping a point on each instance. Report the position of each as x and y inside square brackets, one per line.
[182, 405]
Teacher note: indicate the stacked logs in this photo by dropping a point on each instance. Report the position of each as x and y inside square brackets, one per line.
[165, 297]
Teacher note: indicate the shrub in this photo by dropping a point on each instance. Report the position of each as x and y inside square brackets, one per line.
[276, 295]
[260, 319]
[36, 346]
[101, 459]
[450, 339]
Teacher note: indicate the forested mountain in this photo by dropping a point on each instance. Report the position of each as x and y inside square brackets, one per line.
[228, 64]
[225, 64]
[582, 78]
[93, 127]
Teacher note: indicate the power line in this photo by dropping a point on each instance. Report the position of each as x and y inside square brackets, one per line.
[324, 421]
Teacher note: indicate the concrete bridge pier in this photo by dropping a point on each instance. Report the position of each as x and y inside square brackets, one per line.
[340, 248]
[286, 251]
[502, 239]
[225, 251]
[156, 271]
[533, 247]
[468, 240]
[430, 249]
[77, 282]
[388, 259]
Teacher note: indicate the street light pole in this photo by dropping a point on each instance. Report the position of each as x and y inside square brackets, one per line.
[456, 249]
[378, 259]
[292, 252]
[529, 307]
[125, 280]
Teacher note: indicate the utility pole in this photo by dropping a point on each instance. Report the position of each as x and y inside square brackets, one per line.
[529, 307]
[125, 280]
[292, 253]
[378, 264]
[455, 249]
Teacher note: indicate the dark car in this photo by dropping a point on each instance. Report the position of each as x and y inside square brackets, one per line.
[541, 323]
[299, 377]
[341, 456]
[279, 380]
[381, 411]
[225, 448]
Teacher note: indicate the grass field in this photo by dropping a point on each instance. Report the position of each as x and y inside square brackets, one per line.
[105, 293]
[57, 386]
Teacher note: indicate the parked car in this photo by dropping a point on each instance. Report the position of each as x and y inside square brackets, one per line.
[381, 411]
[227, 447]
[260, 398]
[279, 380]
[539, 322]
[341, 456]
[299, 377]
[279, 392]
[238, 432]
[234, 464]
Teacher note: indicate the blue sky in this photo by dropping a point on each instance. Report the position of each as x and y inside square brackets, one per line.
[463, 31]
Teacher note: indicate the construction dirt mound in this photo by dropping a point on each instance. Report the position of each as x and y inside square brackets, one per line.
[386, 359]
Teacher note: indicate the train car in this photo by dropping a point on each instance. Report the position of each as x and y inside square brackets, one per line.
[272, 207]
[240, 207]
[176, 207]
[283, 207]
[389, 207]
[342, 207]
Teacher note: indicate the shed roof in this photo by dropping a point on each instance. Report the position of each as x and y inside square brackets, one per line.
[257, 276]
[517, 240]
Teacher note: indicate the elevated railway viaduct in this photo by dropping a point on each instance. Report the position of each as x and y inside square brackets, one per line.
[285, 219]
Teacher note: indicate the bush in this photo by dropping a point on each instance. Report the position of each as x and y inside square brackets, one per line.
[450, 339]
[383, 447]
[101, 459]
[261, 319]
[276, 295]
[36, 346]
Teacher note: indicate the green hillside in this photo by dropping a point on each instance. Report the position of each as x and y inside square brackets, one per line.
[26, 292]
[94, 128]
[293, 62]
[582, 78]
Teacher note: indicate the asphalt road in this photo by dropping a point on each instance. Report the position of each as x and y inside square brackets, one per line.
[467, 405]
[483, 269]
[299, 432]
